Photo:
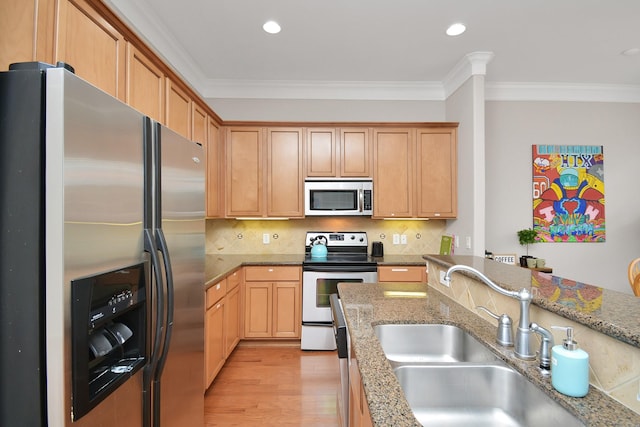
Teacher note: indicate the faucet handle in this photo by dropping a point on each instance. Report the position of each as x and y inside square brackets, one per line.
[504, 335]
[545, 345]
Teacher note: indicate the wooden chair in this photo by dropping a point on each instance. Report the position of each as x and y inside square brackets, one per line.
[634, 276]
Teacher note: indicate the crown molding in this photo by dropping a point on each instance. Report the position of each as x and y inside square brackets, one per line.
[472, 64]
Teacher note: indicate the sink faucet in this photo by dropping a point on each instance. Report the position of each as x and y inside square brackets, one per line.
[524, 333]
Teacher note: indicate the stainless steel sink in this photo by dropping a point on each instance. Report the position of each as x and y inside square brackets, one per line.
[478, 395]
[423, 343]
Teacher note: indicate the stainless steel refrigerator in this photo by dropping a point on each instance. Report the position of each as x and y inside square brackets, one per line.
[101, 259]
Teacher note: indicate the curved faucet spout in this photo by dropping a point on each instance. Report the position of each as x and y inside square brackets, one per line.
[523, 336]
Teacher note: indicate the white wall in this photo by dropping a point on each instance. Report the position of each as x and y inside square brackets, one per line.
[466, 106]
[317, 110]
[511, 130]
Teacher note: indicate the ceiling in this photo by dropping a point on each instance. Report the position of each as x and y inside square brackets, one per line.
[391, 48]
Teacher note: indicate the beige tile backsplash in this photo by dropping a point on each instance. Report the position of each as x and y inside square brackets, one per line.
[287, 236]
[614, 365]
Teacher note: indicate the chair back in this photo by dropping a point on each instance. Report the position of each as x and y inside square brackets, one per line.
[634, 276]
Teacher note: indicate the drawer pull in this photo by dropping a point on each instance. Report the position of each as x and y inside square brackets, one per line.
[270, 270]
[217, 306]
[218, 287]
[400, 269]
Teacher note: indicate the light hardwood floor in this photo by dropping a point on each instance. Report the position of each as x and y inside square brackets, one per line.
[275, 386]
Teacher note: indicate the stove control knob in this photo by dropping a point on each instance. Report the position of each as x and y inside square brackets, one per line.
[353, 237]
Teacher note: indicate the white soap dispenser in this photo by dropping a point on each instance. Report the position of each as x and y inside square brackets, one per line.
[569, 366]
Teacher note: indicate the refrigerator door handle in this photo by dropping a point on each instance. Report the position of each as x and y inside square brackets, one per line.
[164, 250]
[150, 369]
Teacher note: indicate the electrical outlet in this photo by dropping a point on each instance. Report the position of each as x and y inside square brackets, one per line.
[265, 238]
[456, 240]
[468, 242]
[396, 239]
[443, 281]
[403, 239]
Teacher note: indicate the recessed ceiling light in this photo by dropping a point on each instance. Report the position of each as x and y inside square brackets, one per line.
[456, 29]
[271, 27]
[631, 52]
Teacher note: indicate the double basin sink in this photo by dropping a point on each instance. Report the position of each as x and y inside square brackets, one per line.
[451, 379]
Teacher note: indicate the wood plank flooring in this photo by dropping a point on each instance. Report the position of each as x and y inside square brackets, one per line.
[275, 386]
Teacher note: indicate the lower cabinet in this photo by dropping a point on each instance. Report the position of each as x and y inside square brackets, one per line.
[273, 302]
[221, 324]
[402, 273]
[359, 415]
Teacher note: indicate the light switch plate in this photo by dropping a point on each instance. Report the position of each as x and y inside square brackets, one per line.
[265, 238]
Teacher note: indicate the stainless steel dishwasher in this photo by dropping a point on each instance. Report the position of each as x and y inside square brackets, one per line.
[341, 334]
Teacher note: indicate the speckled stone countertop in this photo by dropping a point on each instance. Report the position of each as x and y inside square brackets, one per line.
[367, 305]
[613, 313]
[218, 266]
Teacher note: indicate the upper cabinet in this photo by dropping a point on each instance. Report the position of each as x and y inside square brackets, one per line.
[26, 31]
[437, 172]
[178, 109]
[145, 84]
[215, 182]
[92, 46]
[264, 172]
[415, 172]
[393, 180]
[333, 153]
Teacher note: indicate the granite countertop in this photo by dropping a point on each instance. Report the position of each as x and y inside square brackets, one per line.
[218, 266]
[613, 313]
[367, 305]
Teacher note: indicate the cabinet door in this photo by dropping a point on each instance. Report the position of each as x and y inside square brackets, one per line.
[287, 318]
[145, 84]
[199, 124]
[178, 110]
[26, 31]
[214, 341]
[215, 183]
[436, 174]
[244, 172]
[355, 153]
[232, 320]
[401, 273]
[393, 151]
[258, 310]
[285, 179]
[321, 152]
[94, 48]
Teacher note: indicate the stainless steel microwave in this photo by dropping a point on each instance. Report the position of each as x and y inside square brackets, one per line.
[338, 197]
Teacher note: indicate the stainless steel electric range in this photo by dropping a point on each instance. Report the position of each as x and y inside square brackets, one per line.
[346, 260]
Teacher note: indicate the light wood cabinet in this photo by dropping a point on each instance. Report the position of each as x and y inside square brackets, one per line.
[402, 273]
[285, 179]
[232, 321]
[199, 124]
[26, 31]
[214, 350]
[215, 182]
[251, 162]
[415, 173]
[359, 415]
[272, 302]
[335, 153]
[92, 46]
[145, 84]
[437, 171]
[178, 109]
[244, 171]
[393, 181]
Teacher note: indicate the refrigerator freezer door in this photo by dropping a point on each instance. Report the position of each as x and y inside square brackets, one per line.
[93, 221]
[182, 203]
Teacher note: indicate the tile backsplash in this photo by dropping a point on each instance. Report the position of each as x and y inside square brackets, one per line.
[229, 236]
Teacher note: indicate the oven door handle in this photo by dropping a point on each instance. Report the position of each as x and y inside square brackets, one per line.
[339, 326]
[340, 268]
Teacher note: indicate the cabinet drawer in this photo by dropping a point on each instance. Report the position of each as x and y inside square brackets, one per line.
[234, 279]
[271, 274]
[400, 273]
[215, 292]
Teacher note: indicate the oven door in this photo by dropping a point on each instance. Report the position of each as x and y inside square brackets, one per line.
[318, 286]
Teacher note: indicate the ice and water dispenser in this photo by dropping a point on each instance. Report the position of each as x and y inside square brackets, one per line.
[108, 333]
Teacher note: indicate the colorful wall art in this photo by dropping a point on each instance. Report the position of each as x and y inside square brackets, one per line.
[568, 193]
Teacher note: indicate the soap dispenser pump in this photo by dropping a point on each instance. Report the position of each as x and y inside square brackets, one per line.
[569, 366]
